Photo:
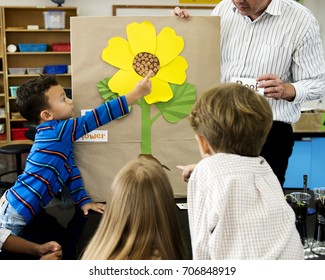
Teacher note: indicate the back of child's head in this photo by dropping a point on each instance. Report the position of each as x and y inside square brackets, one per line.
[140, 219]
[31, 99]
[234, 119]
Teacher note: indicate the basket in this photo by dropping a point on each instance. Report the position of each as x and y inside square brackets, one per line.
[61, 47]
[56, 69]
[32, 47]
[17, 71]
[35, 70]
[18, 133]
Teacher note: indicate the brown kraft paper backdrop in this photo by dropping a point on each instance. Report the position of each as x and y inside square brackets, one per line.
[172, 144]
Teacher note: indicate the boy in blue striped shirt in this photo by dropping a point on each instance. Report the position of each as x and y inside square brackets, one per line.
[50, 164]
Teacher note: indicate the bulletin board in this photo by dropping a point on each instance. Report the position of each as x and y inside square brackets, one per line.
[172, 143]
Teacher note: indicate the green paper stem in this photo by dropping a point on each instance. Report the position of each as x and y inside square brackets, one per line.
[146, 127]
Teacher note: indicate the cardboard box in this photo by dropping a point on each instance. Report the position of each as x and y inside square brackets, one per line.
[310, 122]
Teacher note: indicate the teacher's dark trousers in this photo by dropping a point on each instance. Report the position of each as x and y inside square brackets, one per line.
[278, 148]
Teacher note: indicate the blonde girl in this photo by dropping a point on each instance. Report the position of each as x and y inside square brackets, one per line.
[140, 221]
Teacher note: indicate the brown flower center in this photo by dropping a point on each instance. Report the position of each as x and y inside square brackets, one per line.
[144, 62]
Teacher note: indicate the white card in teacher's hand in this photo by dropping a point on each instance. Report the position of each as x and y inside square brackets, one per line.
[247, 82]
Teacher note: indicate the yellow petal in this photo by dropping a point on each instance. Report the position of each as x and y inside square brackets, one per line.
[117, 53]
[142, 37]
[169, 45]
[123, 81]
[174, 72]
[160, 92]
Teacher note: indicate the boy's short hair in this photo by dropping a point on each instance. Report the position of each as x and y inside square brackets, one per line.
[233, 118]
[31, 98]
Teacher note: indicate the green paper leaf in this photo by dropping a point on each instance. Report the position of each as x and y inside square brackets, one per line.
[105, 91]
[180, 105]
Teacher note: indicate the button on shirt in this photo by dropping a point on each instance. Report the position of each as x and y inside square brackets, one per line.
[285, 41]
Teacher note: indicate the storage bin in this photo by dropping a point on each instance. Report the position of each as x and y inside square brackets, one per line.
[56, 69]
[61, 47]
[13, 90]
[54, 19]
[17, 71]
[35, 70]
[32, 47]
[18, 133]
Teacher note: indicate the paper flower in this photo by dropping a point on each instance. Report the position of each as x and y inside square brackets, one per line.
[135, 57]
[142, 52]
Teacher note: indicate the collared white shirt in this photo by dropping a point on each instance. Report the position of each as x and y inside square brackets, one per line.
[285, 40]
[237, 210]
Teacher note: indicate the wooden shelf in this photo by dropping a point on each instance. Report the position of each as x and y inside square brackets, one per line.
[13, 29]
[35, 75]
[23, 30]
[36, 53]
[18, 120]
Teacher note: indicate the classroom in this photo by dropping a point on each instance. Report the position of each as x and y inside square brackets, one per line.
[121, 85]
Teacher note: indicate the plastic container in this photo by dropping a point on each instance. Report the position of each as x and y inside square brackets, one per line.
[54, 19]
[35, 70]
[18, 133]
[17, 71]
[61, 47]
[56, 69]
[13, 90]
[32, 47]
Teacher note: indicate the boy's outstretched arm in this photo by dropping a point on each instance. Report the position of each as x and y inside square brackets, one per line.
[141, 89]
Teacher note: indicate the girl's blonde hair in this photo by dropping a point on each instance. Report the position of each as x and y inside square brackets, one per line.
[140, 221]
[233, 118]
